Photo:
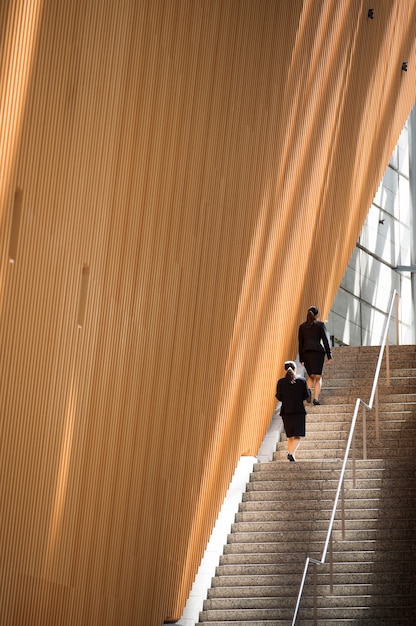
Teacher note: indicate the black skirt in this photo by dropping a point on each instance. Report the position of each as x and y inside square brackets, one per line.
[294, 424]
[314, 362]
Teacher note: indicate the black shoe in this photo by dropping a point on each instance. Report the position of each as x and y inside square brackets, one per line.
[316, 402]
[290, 457]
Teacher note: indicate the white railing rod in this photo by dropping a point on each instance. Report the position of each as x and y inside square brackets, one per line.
[380, 356]
[341, 479]
[302, 583]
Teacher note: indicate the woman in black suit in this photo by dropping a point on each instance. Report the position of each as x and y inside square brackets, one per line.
[292, 391]
[313, 345]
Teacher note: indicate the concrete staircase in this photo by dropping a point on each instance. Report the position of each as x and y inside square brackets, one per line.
[284, 514]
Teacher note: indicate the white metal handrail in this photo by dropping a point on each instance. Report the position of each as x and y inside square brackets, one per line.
[358, 402]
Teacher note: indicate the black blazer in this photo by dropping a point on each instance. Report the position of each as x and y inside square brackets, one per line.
[293, 395]
[313, 338]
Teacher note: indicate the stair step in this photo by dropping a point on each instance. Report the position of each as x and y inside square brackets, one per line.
[313, 533]
[309, 452]
[292, 559]
[379, 571]
[357, 610]
[359, 584]
[335, 465]
[363, 469]
[403, 497]
[352, 595]
[323, 483]
[283, 546]
[367, 620]
[376, 525]
[358, 513]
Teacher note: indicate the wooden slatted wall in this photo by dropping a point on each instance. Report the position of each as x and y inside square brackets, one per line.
[180, 179]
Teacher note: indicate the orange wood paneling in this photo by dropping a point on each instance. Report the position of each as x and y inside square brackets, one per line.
[180, 180]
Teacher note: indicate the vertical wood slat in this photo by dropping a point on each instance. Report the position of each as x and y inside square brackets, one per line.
[206, 167]
[16, 216]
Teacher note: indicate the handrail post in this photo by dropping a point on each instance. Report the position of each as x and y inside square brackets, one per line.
[397, 319]
[353, 459]
[387, 363]
[331, 566]
[364, 433]
[376, 416]
[342, 511]
[315, 596]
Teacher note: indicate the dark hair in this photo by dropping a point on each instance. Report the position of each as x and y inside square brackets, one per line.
[290, 367]
[312, 315]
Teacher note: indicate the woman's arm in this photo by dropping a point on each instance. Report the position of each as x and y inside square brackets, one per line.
[325, 341]
[300, 344]
[278, 394]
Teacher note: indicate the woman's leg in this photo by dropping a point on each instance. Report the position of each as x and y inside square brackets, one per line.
[310, 381]
[292, 445]
[318, 385]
